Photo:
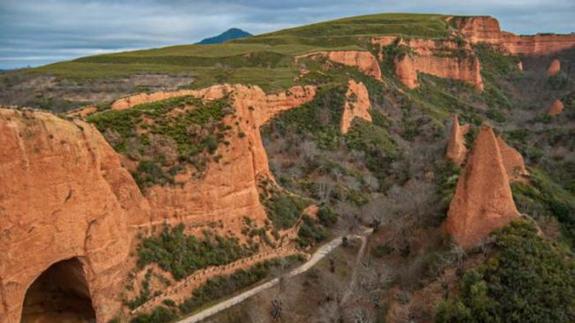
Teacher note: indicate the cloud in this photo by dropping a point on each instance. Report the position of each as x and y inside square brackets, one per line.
[40, 32]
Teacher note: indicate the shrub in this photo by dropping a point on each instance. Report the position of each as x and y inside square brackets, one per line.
[160, 314]
[543, 197]
[284, 209]
[182, 254]
[327, 216]
[528, 279]
[182, 130]
[310, 232]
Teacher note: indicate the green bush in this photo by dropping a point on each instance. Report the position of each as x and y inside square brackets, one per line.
[327, 216]
[319, 118]
[145, 293]
[284, 209]
[182, 254]
[528, 279]
[310, 232]
[160, 314]
[543, 197]
[195, 133]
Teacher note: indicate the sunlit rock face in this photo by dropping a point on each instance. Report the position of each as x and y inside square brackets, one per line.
[63, 194]
[483, 200]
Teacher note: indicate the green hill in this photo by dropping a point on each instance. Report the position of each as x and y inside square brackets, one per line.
[250, 60]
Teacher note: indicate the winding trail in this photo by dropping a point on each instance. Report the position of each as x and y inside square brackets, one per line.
[320, 253]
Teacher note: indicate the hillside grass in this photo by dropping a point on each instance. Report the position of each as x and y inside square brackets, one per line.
[265, 60]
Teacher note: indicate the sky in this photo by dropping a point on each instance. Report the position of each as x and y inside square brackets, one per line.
[37, 32]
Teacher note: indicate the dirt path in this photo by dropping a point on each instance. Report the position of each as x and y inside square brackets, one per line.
[349, 290]
[313, 260]
[183, 289]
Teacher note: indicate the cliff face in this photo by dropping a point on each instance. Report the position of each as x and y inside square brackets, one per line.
[483, 200]
[487, 30]
[362, 60]
[228, 190]
[441, 58]
[356, 105]
[64, 194]
[456, 150]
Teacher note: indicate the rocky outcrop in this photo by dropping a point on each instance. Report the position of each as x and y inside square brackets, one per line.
[483, 200]
[456, 150]
[487, 30]
[83, 112]
[512, 161]
[63, 194]
[356, 105]
[556, 108]
[228, 190]
[441, 58]
[554, 68]
[362, 60]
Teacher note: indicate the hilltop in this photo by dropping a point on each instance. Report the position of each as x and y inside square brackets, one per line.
[230, 34]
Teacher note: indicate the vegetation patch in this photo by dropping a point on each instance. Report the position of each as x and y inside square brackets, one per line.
[282, 208]
[310, 232]
[166, 136]
[224, 286]
[545, 198]
[318, 118]
[182, 254]
[528, 279]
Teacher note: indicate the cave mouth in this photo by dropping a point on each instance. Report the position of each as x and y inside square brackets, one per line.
[60, 294]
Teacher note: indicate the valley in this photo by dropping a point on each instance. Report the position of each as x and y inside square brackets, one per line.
[381, 168]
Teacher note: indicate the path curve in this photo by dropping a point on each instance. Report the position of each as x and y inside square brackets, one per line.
[320, 253]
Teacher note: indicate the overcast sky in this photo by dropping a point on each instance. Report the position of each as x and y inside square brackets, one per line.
[36, 32]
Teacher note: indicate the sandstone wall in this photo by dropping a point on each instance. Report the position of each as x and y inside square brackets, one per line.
[356, 105]
[63, 194]
[456, 150]
[487, 30]
[483, 200]
[441, 58]
[362, 60]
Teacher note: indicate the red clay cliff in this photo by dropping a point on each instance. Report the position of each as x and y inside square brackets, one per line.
[487, 30]
[456, 150]
[356, 105]
[483, 200]
[64, 195]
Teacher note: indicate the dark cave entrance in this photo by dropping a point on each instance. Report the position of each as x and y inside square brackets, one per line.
[59, 294]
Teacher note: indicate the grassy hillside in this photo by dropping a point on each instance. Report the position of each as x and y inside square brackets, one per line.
[250, 60]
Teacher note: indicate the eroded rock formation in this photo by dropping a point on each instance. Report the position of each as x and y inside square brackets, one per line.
[441, 58]
[556, 108]
[512, 161]
[63, 194]
[362, 60]
[456, 150]
[356, 105]
[554, 68]
[483, 200]
[487, 30]
[228, 190]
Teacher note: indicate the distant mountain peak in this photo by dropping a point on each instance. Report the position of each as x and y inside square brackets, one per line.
[230, 34]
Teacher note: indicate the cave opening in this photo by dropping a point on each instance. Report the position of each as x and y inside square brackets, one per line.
[60, 294]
